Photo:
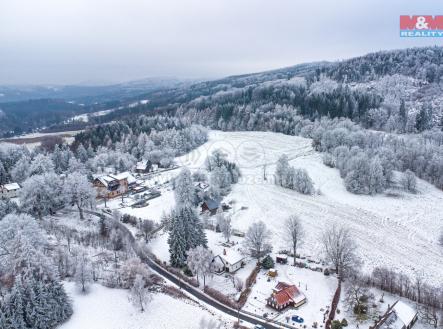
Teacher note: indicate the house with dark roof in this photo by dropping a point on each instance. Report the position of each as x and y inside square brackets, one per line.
[285, 295]
[211, 206]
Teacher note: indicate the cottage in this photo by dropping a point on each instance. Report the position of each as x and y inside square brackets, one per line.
[110, 186]
[143, 167]
[229, 261]
[285, 295]
[211, 206]
[8, 191]
[398, 316]
[281, 259]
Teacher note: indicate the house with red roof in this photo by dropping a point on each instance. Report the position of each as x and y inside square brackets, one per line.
[285, 295]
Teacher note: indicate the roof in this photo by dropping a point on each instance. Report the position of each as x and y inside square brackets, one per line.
[201, 185]
[105, 179]
[212, 203]
[11, 186]
[284, 293]
[404, 312]
[232, 257]
[142, 165]
[399, 316]
[125, 175]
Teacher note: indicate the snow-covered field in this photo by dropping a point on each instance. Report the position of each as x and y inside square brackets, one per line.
[397, 231]
[105, 308]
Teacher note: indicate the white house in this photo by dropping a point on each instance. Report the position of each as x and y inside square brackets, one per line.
[8, 191]
[399, 316]
[229, 261]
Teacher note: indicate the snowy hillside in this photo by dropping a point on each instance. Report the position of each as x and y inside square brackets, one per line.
[395, 229]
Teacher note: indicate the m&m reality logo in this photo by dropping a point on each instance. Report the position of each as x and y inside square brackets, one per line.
[421, 26]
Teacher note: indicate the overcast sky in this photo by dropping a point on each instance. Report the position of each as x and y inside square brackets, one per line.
[104, 41]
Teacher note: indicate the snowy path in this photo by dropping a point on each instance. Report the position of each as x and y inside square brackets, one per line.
[399, 232]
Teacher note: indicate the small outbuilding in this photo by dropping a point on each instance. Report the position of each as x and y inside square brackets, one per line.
[281, 259]
[8, 191]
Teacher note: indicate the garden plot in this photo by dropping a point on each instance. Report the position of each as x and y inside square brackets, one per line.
[318, 289]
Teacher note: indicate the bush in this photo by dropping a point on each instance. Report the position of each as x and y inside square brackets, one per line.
[336, 324]
[128, 219]
[222, 298]
[187, 272]
[326, 272]
[344, 323]
[268, 262]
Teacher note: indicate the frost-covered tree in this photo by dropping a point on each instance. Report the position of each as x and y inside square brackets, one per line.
[83, 272]
[82, 154]
[302, 182]
[199, 261]
[7, 207]
[3, 174]
[185, 232]
[41, 164]
[21, 169]
[34, 304]
[340, 249]
[281, 170]
[22, 243]
[184, 190]
[147, 226]
[409, 181]
[42, 194]
[293, 233]
[209, 324]
[224, 225]
[258, 240]
[79, 192]
[139, 295]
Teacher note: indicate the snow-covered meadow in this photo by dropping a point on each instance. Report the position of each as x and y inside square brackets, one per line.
[395, 229]
[105, 308]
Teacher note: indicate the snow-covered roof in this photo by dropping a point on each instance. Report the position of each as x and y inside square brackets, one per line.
[125, 175]
[400, 316]
[201, 185]
[11, 186]
[141, 165]
[404, 312]
[231, 256]
[105, 179]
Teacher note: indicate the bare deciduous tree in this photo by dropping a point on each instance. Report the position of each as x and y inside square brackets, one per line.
[139, 294]
[238, 283]
[293, 233]
[147, 226]
[83, 272]
[358, 297]
[339, 247]
[257, 240]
